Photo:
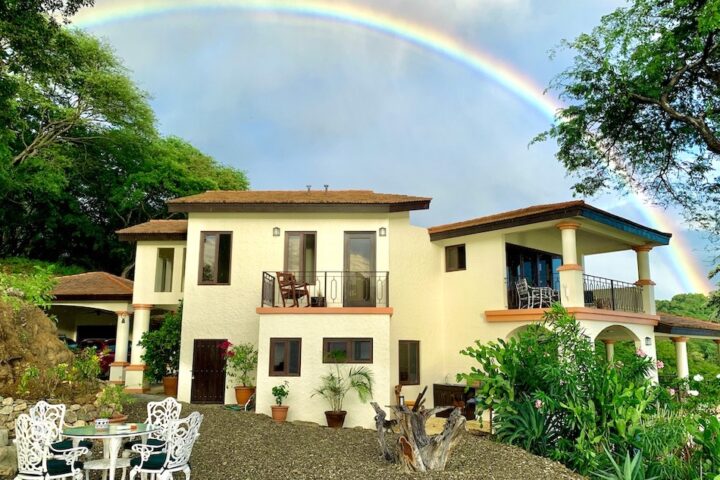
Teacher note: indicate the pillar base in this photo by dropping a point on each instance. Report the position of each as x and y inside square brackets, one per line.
[117, 372]
[135, 378]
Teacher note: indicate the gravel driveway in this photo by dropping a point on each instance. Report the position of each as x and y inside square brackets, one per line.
[238, 445]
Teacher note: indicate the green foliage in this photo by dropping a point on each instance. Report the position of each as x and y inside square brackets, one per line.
[112, 399]
[337, 383]
[22, 280]
[582, 403]
[80, 155]
[162, 347]
[62, 381]
[632, 468]
[695, 305]
[240, 361]
[642, 95]
[280, 392]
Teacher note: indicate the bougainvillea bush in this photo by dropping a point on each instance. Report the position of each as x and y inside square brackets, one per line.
[551, 394]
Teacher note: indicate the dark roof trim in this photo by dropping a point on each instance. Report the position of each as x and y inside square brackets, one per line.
[586, 211]
[134, 237]
[685, 331]
[299, 207]
[94, 297]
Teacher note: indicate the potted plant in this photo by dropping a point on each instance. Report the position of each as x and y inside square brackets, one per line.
[336, 384]
[280, 411]
[240, 361]
[110, 402]
[162, 352]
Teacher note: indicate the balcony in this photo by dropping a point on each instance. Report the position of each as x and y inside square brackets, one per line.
[331, 289]
[598, 292]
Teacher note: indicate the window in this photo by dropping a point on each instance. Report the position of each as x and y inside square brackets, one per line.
[409, 362]
[300, 255]
[182, 278]
[347, 350]
[215, 253]
[285, 357]
[164, 269]
[455, 258]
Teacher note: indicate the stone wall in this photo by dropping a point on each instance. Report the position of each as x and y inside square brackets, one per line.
[10, 408]
[8, 456]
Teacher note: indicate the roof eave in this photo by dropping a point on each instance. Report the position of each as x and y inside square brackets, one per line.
[135, 237]
[298, 207]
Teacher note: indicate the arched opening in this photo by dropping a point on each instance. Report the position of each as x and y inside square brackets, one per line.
[616, 343]
[517, 331]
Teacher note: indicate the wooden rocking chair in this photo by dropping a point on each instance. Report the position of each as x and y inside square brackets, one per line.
[290, 289]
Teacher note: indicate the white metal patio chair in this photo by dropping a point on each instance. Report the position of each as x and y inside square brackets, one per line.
[53, 416]
[159, 414]
[32, 440]
[182, 435]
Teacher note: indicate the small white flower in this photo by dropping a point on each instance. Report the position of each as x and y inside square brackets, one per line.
[717, 376]
[698, 378]
[701, 428]
[694, 393]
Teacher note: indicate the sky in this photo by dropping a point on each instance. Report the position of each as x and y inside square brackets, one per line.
[297, 101]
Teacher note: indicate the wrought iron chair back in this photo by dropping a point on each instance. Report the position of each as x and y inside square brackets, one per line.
[523, 291]
[31, 441]
[51, 416]
[181, 438]
[162, 414]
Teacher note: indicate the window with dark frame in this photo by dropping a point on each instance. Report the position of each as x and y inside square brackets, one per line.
[300, 254]
[409, 357]
[347, 350]
[164, 269]
[285, 357]
[215, 258]
[455, 258]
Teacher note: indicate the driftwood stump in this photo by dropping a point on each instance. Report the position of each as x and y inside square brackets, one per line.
[418, 451]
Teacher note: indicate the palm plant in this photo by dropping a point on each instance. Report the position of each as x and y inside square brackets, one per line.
[336, 384]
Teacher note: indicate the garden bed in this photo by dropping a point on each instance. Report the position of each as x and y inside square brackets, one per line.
[240, 445]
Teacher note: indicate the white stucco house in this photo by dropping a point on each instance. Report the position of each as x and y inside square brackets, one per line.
[401, 299]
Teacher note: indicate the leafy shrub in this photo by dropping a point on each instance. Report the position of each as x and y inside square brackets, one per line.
[112, 399]
[25, 280]
[63, 381]
[162, 347]
[632, 468]
[240, 361]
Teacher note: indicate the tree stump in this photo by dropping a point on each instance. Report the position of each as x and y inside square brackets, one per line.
[418, 451]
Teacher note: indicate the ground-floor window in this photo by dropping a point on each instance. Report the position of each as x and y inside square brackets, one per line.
[409, 353]
[347, 350]
[285, 357]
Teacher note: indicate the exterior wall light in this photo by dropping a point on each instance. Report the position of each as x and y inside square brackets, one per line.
[383, 232]
[276, 231]
[648, 341]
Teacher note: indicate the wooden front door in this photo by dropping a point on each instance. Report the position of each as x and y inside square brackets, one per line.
[208, 373]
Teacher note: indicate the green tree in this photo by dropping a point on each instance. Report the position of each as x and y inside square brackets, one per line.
[643, 96]
[695, 305]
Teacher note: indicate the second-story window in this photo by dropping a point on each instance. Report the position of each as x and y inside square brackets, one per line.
[215, 256]
[164, 269]
[300, 251]
[455, 258]
[347, 350]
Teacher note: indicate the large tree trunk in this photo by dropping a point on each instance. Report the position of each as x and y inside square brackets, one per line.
[418, 451]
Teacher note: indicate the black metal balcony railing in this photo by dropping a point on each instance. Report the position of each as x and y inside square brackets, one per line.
[610, 294]
[332, 289]
[602, 293]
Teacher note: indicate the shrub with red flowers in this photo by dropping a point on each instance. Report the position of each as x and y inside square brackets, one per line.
[240, 361]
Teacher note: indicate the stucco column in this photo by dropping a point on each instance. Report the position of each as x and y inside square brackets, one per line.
[571, 273]
[683, 370]
[117, 368]
[135, 372]
[644, 280]
[609, 349]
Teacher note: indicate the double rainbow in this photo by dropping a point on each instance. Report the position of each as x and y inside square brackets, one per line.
[685, 266]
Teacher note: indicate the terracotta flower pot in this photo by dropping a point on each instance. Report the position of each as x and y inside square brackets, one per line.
[279, 413]
[170, 385]
[243, 394]
[118, 418]
[335, 419]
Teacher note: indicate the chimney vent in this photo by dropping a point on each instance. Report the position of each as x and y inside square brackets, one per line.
[326, 187]
[308, 187]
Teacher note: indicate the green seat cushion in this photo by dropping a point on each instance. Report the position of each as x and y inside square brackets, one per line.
[155, 462]
[154, 442]
[59, 467]
[59, 447]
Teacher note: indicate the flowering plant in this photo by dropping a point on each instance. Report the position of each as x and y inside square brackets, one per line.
[240, 361]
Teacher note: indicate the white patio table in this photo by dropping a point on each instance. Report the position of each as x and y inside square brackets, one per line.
[112, 438]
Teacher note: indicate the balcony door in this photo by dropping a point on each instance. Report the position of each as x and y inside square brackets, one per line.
[359, 277]
[300, 255]
[536, 266]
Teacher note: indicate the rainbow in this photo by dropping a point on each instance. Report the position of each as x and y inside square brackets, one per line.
[685, 266]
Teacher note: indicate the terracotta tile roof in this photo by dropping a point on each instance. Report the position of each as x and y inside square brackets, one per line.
[155, 230]
[676, 324]
[245, 200]
[510, 215]
[546, 212]
[93, 286]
